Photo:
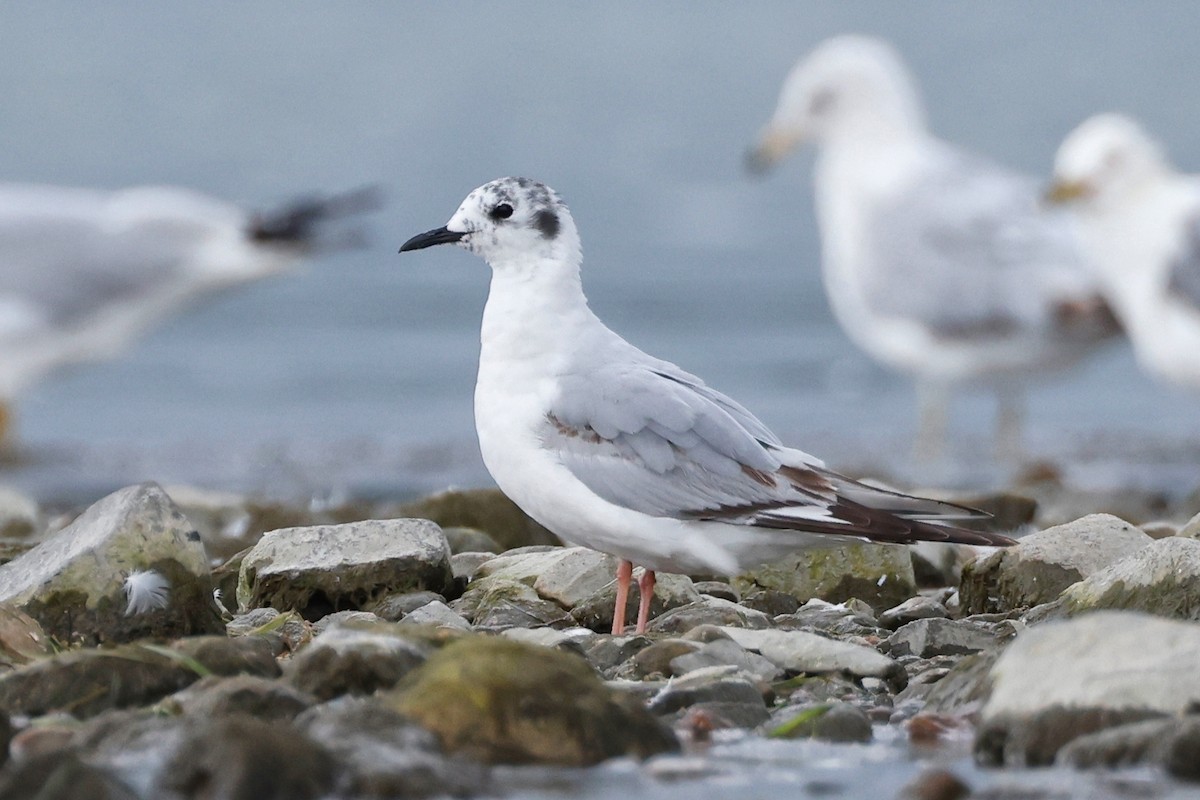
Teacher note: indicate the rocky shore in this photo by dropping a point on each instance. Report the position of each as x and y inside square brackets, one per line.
[185, 644]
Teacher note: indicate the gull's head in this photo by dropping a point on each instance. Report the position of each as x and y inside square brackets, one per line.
[509, 221]
[1107, 157]
[847, 87]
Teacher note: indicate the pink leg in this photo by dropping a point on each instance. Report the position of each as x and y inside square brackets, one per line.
[646, 590]
[624, 575]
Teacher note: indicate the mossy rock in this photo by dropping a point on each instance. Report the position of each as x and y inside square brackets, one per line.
[505, 702]
[1162, 578]
[882, 575]
[487, 510]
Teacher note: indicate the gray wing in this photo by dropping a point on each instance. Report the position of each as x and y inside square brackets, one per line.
[654, 439]
[1183, 276]
[64, 257]
[968, 251]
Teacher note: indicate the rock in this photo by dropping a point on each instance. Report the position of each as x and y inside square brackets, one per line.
[438, 615]
[486, 510]
[610, 654]
[1191, 529]
[242, 758]
[937, 564]
[341, 617]
[596, 610]
[1170, 743]
[852, 618]
[470, 540]
[383, 754]
[721, 589]
[655, 660]
[74, 584]
[220, 655]
[802, 652]
[393, 607]
[834, 722]
[329, 568]
[1162, 578]
[912, 609]
[21, 638]
[708, 611]
[286, 633]
[1061, 680]
[574, 639]
[257, 697]
[726, 652]
[771, 602]
[356, 659]
[496, 603]
[710, 687]
[882, 575]
[86, 682]
[61, 775]
[964, 688]
[1040, 566]
[936, 784]
[501, 701]
[464, 566]
[926, 638]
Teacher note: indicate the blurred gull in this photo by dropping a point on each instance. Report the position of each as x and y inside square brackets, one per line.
[936, 262]
[615, 450]
[83, 271]
[1141, 220]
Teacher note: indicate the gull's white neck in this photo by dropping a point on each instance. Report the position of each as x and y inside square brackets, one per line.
[535, 315]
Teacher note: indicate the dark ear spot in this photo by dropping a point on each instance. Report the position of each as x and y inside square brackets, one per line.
[546, 222]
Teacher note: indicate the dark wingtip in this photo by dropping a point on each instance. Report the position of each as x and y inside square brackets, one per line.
[298, 222]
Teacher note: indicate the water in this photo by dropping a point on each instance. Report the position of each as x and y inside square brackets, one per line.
[357, 373]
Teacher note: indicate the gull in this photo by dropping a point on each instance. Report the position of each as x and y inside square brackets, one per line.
[937, 263]
[1141, 220]
[621, 452]
[83, 271]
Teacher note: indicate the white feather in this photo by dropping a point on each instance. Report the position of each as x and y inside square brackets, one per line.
[146, 590]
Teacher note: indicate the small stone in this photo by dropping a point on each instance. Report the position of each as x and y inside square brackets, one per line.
[771, 602]
[353, 659]
[834, 722]
[726, 652]
[936, 784]
[327, 568]
[575, 639]
[74, 583]
[501, 701]
[683, 694]
[966, 686]
[220, 655]
[436, 614]
[338, 617]
[1159, 529]
[912, 609]
[465, 566]
[720, 589]
[926, 638]
[1191, 529]
[393, 607]
[708, 611]
[656, 659]
[243, 694]
[21, 638]
[470, 540]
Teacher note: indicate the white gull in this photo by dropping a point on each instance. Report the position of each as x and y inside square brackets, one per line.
[83, 272]
[937, 263]
[616, 450]
[1141, 219]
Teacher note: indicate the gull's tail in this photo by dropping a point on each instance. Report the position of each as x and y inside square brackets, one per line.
[301, 221]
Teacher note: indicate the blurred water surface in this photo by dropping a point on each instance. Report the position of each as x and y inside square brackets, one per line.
[357, 373]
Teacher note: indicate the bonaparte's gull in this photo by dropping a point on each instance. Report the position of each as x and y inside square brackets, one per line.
[627, 454]
[936, 262]
[1141, 219]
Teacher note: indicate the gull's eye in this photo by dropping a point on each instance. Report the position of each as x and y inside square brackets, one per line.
[502, 211]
